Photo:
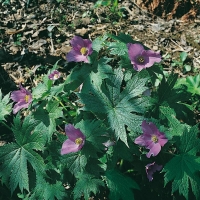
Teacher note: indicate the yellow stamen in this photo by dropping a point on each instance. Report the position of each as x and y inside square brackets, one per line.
[140, 59]
[83, 50]
[26, 98]
[79, 141]
[154, 138]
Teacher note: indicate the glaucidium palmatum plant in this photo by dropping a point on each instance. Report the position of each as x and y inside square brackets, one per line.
[103, 129]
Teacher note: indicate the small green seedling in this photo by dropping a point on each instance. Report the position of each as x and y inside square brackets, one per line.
[181, 63]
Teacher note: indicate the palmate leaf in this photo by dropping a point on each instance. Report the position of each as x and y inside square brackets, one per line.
[103, 71]
[55, 90]
[184, 168]
[47, 116]
[77, 76]
[5, 106]
[39, 91]
[47, 191]
[55, 112]
[98, 43]
[122, 38]
[117, 48]
[176, 128]
[120, 186]
[174, 97]
[86, 185]
[118, 105]
[75, 162]
[14, 156]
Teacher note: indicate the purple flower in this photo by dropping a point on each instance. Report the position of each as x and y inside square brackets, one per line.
[75, 140]
[23, 98]
[151, 168]
[54, 75]
[151, 139]
[141, 58]
[81, 48]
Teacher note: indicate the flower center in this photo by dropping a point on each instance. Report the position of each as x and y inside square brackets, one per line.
[83, 50]
[56, 76]
[140, 59]
[79, 141]
[154, 138]
[26, 98]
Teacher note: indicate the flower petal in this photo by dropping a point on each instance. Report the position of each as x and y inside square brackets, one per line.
[152, 57]
[154, 150]
[137, 67]
[75, 56]
[134, 50]
[140, 140]
[162, 140]
[77, 42]
[69, 147]
[151, 168]
[148, 128]
[73, 133]
[18, 106]
[54, 75]
[17, 95]
[88, 45]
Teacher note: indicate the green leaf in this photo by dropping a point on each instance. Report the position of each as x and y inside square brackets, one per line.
[120, 186]
[117, 48]
[39, 91]
[77, 76]
[166, 86]
[193, 84]
[47, 114]
[98, 43]
[122, 38]
[29, 134]
[74, 162]
[115, 103]
[103, 71]
[184, 168]
[86, 185]
[14, 156]
[184, 172]
[168, 96]
[47, 191]
[176, 128]
[187, 68]
[41, 114]
[189, 143]
[55, 90]
[5, 106]
[183, 56]
[55, 112]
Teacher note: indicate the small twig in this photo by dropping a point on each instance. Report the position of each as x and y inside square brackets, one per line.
[181, 48]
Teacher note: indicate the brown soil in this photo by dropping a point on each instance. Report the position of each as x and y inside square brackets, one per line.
[35, 34]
